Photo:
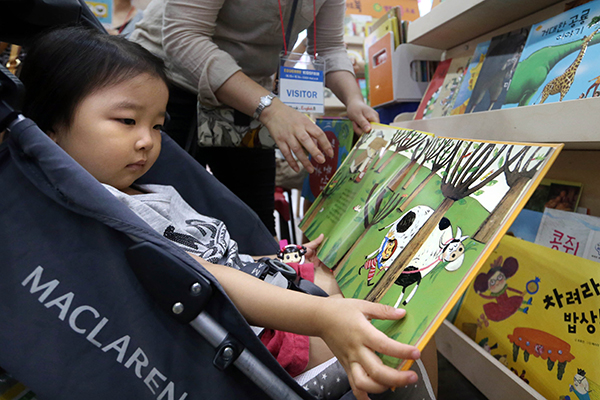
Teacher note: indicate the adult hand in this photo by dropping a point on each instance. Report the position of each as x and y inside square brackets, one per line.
[361, 116]
[295, 134]
[347, 330]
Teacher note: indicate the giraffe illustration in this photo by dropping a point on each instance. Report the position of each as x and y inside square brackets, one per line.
[562, 83]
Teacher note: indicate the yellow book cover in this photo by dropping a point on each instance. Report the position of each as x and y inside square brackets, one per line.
[537, 311]
[409, 218]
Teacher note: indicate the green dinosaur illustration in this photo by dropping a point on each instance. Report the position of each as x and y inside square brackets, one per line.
[531, 73]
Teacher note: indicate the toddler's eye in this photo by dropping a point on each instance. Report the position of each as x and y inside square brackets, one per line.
[127, 121]
[158, 127]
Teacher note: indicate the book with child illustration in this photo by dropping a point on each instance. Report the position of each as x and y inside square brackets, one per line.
[560, 59]
[409, 217]
[536, 311]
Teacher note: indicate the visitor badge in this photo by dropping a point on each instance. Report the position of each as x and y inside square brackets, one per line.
[301, 82]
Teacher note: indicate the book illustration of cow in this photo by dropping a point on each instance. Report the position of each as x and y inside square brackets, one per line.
[441, 246]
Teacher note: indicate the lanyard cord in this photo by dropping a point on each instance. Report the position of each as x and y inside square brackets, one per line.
[291, 23]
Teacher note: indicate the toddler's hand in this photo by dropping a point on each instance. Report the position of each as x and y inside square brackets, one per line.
[347, 330]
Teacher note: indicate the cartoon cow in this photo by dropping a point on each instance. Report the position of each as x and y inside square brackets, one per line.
[441, 245]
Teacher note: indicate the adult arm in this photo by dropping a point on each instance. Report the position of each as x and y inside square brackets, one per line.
[344, 324]
[343, 85]
[340, 78]
[188, 28]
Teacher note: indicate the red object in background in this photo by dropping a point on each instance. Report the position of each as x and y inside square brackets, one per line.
[323, 172]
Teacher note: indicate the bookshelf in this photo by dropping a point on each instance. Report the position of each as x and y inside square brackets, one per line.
[454, 22]
[456, 26]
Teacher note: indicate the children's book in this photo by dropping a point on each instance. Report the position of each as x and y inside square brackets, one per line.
[409, 218]
[380, 70]
[560, 59]
[536, 310]
[339, 132]
[570, 232]
[497, 71]
[430, 99]
[551, 193]
[526, 225]
[470, 79]
[449, 89]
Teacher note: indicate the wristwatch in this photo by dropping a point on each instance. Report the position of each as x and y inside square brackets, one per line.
[265, 102]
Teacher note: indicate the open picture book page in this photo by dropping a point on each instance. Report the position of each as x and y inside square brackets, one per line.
[409, 217]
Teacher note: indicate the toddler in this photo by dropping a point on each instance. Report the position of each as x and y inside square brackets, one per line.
[103, 100]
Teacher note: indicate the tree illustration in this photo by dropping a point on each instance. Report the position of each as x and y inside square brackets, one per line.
[403, 140]
[429, 153]
[517, 172]
[464, 178]
[441, 154]
[379, 211]
[420, 148]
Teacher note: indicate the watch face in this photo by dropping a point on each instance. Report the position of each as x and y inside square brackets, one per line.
[266, 101]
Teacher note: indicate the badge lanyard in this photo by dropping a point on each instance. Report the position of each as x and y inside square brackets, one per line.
[300, 80]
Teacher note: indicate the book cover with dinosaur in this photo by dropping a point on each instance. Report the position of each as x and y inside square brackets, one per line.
[470, 79]
[430, 99]
[409, 217]
[560, 61]
[537, 310]
[497, 71]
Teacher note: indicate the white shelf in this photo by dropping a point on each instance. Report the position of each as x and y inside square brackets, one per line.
[487, 374]
[571, 122]
[454, 22]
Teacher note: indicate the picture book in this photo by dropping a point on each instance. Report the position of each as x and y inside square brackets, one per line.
[409, 217]
[379, 65]
[569, 232]
[432, 93]
[526, 225]
[470, 79]
[536, 310]
[560, 59]
[378, 8]
[497, 71]
[391, 20]
[562, 195]
[449, 89]
[339, 132]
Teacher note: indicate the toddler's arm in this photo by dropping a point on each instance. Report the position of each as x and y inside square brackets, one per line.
[342, 323]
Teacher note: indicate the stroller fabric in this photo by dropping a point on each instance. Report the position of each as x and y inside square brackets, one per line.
[75, 322]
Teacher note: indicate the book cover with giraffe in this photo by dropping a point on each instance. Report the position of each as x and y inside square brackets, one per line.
[560, 61]
[537, 311]
[409, 217]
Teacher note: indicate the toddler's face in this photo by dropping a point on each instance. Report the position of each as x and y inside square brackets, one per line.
[115, 132]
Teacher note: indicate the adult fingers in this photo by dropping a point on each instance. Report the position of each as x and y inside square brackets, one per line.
[287, 154]
[317, 133]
